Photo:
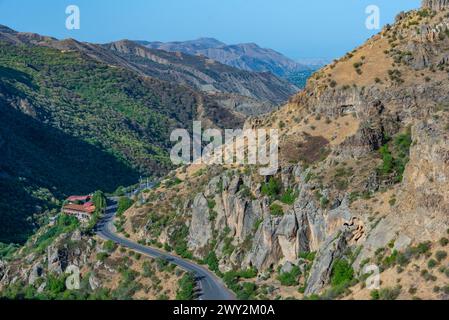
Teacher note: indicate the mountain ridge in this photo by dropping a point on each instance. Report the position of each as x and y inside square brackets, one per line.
[245, 56]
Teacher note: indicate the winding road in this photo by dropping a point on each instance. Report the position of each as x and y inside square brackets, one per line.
[210, 287]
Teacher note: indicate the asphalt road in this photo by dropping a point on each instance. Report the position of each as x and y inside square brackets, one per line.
[210, 286]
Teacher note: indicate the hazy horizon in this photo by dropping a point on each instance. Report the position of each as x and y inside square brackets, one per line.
[299, 30]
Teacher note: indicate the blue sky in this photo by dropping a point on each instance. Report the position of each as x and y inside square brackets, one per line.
[297, 28]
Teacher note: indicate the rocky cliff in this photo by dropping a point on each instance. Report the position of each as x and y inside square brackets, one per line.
[436, 4]
[362, 183]
[363, 177]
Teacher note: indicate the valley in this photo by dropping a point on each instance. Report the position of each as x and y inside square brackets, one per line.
[357, 210]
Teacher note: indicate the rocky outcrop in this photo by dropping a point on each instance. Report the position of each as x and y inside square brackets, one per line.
[266, 252]
[3, 272]
[36, 272]
[260, 239]
[423, 202]
[331, 250]
[57, 259]
[200, 226]
[435, 5]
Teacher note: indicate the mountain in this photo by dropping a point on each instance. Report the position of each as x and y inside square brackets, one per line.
[246, 56]
[195, 72]
[203, 74]
[362, 188]
[358, 208]
[76, 117]
[107, 109]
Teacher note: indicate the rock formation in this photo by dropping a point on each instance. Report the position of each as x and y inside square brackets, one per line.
[436, 5]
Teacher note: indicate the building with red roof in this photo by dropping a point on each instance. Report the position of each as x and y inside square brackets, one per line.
[79, 198]
[80, 207]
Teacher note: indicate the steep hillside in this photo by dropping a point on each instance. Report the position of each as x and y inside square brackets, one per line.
[258, 92]
[245, 56]
[39, 270]
[364, 181]
[72, 124]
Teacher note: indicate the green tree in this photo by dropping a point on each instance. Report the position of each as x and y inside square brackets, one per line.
[186, 290]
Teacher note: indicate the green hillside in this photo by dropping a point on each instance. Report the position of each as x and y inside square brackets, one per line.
[72, 125]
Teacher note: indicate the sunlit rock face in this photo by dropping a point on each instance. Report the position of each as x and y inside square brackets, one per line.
[436, 4]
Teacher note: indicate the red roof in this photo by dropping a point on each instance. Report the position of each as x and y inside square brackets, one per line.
[79, 198]
[79, 208]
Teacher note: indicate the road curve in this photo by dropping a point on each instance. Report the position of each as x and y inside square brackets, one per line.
[210, 286]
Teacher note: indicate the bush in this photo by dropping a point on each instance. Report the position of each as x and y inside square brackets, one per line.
[186, 289]
[290, 278]
[375, 295]
[389, 293]
[65, 224]
[102, 256]
[342, 273]
[212, 261]
[109, 246]
[124, 204]
[247, 291]
[440, 255]
[309, 256]
[249, 273]
[147, 269]
[444, 242]
[272, 188]
[211, 204]
[395, 164]
[276, 210]
[432, 263]
[289, 197]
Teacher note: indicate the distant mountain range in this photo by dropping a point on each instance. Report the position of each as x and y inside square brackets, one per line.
[245, 56]
[78, 116]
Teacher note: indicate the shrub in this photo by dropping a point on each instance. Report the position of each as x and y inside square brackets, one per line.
[440, 255]
[444, 242]
[272, 188]
[395, 164]
[324, 202]
[276, 210]
[248, 273]
[390, 293]
[290, 278]
[211, 204]
[124, 203]
[432, 263]
[102, 256]
[247, 291]
[375, 295]
[309, 256]
[109, 246]
[212, 261]
[342, 273]
[289, 197]
[186, 289]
